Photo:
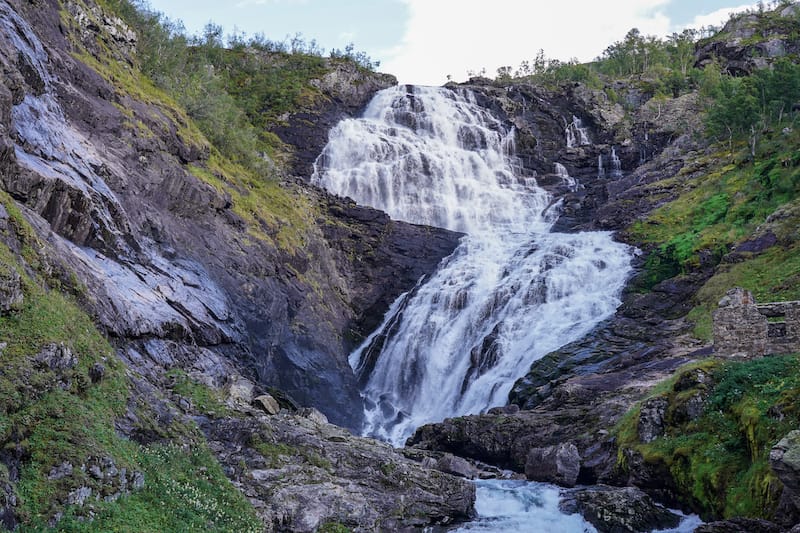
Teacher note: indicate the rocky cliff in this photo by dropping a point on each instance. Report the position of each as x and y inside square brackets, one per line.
[170, 316]
[581, 405]
[201, 274]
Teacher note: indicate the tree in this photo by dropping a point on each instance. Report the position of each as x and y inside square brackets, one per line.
[735, 110]
[681, 49]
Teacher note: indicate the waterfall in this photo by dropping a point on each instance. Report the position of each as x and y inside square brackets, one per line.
[561, 172]
[616, 164]
[509, 294]
[577, 134]
[601, 171]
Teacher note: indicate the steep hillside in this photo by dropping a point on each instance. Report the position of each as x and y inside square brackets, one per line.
[708, 192]
[156, 281]
[177, 303]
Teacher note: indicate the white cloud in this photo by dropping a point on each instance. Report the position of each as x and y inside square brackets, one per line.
[454, 36]
[718, 17]
[247, 3]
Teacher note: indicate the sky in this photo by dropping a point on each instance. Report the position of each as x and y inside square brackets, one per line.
[425, 41]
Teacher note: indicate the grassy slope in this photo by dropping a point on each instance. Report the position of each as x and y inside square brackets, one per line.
[719, 462]
[735, 201]
[49, 417]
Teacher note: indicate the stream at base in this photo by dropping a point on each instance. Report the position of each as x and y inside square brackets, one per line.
[511, 506]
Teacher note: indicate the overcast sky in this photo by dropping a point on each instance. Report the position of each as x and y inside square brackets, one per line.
[424, 41]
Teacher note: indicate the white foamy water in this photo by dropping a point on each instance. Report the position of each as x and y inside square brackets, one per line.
[510, 293]
[521, 506]
[512, 506]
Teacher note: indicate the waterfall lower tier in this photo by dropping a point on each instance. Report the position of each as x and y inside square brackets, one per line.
[476, 326]
[511, 292]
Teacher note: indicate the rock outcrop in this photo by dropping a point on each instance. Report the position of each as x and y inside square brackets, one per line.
[194, 274]
[301, 473]
[124, 209]
[618, 510]
[784, 458]
[345, 89]
[752, 41]
[559, 464]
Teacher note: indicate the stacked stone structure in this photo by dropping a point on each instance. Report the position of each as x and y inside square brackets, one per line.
[746, 329]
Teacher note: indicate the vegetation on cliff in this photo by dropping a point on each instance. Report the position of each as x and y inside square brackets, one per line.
[732, 217]
[734, 222]
[236, 88]
[725, 214]
[62, 388]
[720, 420]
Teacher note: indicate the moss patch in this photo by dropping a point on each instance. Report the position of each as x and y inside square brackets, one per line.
[719, 462]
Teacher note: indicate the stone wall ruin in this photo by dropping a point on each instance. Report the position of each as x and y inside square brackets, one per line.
[746, 329]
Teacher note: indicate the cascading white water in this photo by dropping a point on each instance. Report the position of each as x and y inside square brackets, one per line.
[509, 294]
[563, 173]
[616, 164]
[577, 134]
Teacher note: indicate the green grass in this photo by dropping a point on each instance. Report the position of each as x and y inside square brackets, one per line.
[771, 276]
[185, 490]
[719, 462]
[205, 399]
[49, 417]
[723, 200]
[272, 212]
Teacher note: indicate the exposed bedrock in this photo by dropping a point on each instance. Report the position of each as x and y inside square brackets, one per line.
[162, 253]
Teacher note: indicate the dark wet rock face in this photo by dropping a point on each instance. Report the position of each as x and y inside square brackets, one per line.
[115, 192]
[618, 510]
[120, 209]
[345, 92]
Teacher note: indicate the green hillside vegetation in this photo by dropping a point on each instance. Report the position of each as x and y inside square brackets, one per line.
[53, 414]
[719, 462]
[746, 186]
[223, 97]
[235, 88]
[226, 94]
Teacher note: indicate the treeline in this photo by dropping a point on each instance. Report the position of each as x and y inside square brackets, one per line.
[743, 108]
[235, 87]
[666, 63]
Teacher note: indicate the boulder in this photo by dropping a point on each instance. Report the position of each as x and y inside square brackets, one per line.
[784, 458]
[10, 289]
[312, 414]
[268, 404]
[457, 466]
[559, 464]
[618, 510]
[97, 372]
[239, 390]
[510, 409]
[56, 357]
[651, 419]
